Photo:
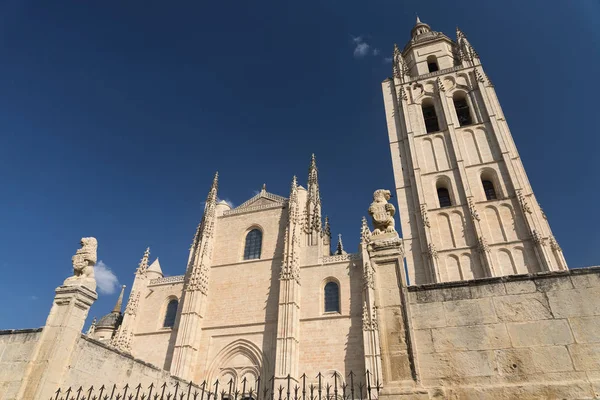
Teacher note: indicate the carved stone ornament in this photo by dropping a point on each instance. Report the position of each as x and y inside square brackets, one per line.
[537, 238]
[92, 328]
[368, 272]
[482, 245]
[424, 216]
[382, 213]
[83, 263]
[132, 304]
[432, 251]
[473, 210]
[554, 244]
[523, 201]
[365, 232]
[369, 321]
[440, 85]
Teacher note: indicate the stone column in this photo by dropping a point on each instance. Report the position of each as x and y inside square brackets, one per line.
[63, 328]
[58, 341]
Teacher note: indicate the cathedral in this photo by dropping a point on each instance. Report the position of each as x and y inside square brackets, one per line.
[264, 295]
[474, 301]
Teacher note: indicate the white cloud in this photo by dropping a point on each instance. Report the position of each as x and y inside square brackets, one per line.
[361, 50]
[388, 60]
[376, 52]
[33, 297]
[105, 279]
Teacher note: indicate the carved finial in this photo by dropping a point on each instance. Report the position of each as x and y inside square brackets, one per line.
[465, 50]
[264, 187]
[365, 232]
[418, 20]
[382, 213]
[212, 194]
[143, 265]
[327, 229]
[117, 308]
[340, 246]
[313, 202]
[92, 328]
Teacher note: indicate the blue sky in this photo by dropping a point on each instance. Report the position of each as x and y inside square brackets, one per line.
[115, 115]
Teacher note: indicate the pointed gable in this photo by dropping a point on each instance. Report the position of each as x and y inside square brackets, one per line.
[263, 200]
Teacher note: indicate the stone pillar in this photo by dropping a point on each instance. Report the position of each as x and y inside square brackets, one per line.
[387, 258]
[59, 339]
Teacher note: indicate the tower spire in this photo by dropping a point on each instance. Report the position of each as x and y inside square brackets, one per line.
[340, 246]
[143, 265]
[119, 304]
[418, 20]
[313, 221]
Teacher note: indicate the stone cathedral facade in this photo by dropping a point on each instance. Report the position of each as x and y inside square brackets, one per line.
[253, 300]
[475, 301]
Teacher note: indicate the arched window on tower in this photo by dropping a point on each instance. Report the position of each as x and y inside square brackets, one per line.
[253, 245]
[432, 64]
[332, 297]
[444, 197]
[430, 117]
[170, 314]
[462, 109]
[488, 188]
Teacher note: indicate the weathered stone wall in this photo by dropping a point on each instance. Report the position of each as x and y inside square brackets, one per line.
[16, 350]
[514, 337]
[95, 363]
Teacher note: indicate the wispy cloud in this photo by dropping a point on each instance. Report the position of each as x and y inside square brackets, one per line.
[362, 48]
[106, 280]
[33, 297]
[388, 60]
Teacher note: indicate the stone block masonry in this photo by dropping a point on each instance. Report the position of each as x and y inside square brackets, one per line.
[522, 336]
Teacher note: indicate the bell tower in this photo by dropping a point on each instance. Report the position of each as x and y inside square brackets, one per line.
[467, 209]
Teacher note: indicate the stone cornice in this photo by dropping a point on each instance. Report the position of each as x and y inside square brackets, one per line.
[239, 210]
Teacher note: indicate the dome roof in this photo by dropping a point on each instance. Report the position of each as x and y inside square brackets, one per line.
[112, 320]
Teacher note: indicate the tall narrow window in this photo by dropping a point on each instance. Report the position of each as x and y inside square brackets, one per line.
[253, 245]
[462, 110]
[488, 188]
[432, 64]
[332, 297]
[444, 197]
[169, 321]
[430, 117]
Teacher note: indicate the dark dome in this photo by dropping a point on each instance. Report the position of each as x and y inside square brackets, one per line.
[112, 320]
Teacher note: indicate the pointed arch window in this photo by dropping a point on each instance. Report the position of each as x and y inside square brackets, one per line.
[432, 64]
[253, 245]
[332, 297]
[463, 113]
[430, 116]
[170, 314]
[444, 197]
[488, 188]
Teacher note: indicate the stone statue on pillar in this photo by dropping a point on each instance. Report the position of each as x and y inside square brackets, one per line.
[83, 264]
[382, 213]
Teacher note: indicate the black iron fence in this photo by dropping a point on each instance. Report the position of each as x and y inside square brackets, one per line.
[322, 387]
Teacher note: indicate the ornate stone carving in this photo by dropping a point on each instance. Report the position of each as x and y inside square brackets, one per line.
[132, 304]
[143, 266]
[399, 67]
[432, 251]
[290, 268]
[424, 216]
[122, 339]
[167, 280]
[554, 244]
[482, 245]
[368, 272]
[369, 321]
[466, 51]
[523, 201]
[365, 232]
[83, 263]
[473, 210]
[440, 85]
[537, 237]
[339, 258]
[312, 221]
[402, 93]
[382, 213]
